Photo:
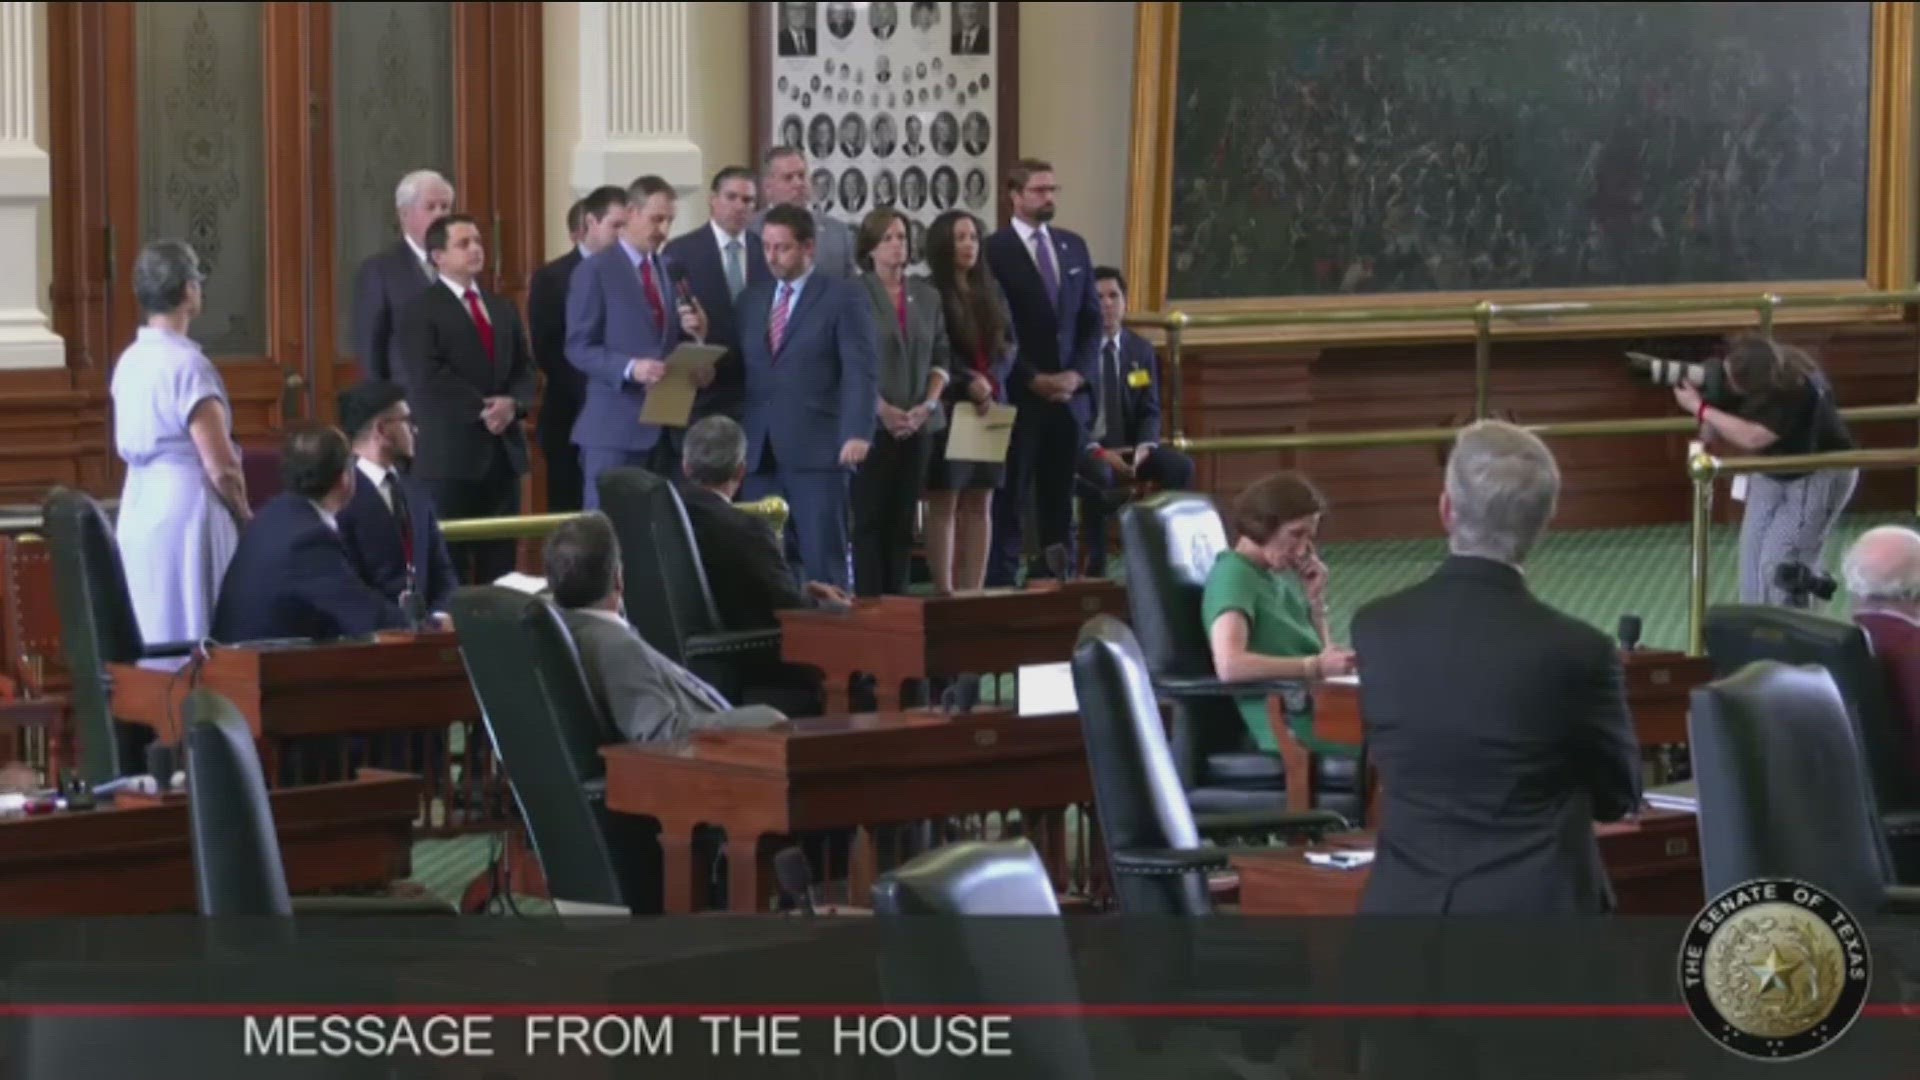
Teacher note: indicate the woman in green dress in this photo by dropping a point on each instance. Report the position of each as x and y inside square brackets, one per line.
[1265, 606]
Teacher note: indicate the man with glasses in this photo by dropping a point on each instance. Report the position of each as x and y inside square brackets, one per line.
[389, 527]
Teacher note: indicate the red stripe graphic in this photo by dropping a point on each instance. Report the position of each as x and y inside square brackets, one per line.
[1112, 1011]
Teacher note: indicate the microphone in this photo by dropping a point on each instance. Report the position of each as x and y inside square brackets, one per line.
[160, 764]
[682, 291]
[1629, 632]
[795, 878]
[1057, 560]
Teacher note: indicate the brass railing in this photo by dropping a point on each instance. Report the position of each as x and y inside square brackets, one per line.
[1483, 315]
[1704, 469]
[537, 526]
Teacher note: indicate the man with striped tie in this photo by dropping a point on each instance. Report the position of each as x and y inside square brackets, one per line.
[625, 316]
[812, 388]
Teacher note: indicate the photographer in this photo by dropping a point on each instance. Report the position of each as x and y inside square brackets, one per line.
[1784, 407]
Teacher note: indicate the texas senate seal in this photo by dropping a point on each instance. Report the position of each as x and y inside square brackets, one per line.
[1775, 969]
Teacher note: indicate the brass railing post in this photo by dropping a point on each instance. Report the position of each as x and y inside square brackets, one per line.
[1701, 467]
[1176, 322]
[1768, 302]
[1482, 356]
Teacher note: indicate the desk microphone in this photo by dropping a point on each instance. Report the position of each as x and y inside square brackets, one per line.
[795, 878]
[1058, 560]
[1629, 632]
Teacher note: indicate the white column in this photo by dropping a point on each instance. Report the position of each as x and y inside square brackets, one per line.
[25, 183]
[634, 88]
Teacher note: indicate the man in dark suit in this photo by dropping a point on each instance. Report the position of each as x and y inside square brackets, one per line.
[970, 34]
[600, 216]
[1882, 572]
[624, 318]
[744, 562]
[1499, 725]
[291, 576]
[812, 390]
[797, 34]
[464, 362]
[1125, 441]
[1048, 278]
[389, 527]
[388, 280]
[722, 258]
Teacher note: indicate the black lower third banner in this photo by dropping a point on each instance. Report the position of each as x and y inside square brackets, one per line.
[1741, 991]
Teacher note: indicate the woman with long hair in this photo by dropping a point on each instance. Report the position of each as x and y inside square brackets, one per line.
[1782, 405]
[979, 331]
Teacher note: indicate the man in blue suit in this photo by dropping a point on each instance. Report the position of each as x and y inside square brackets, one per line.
[812, 390]
[291, 576]
[722, 258]
[389, 527]
[1048, 278]
[625, 315]
[1125, 441]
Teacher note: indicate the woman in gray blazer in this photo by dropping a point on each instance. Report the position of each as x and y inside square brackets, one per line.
[911, 331]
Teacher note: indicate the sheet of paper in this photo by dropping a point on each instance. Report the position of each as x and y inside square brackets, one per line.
[973, 437]
[1342, 680]
[670, 401]
[520, 582]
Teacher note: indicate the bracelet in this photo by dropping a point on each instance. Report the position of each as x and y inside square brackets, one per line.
[1700, 415]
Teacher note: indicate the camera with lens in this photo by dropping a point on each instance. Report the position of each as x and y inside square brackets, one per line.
[1709, 377]
[1802, 582]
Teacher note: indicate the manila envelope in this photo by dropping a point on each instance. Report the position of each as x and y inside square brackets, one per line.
[670, 401]
[972, 437]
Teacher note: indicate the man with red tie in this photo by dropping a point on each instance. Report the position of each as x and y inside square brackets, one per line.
[625, 315]
[468, 372]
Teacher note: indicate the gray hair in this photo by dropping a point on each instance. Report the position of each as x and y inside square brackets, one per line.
[775, 153]
[715, 452]
[1883, 566]
[162, 273]
[1502, 484]
[417, 183]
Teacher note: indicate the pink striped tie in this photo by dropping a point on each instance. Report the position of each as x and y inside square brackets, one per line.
[777, 326]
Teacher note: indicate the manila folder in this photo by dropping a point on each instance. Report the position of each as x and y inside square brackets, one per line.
[980, 438]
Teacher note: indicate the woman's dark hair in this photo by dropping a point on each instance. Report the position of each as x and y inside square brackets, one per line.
[873, 229]
[1267, 504]
[974, 319]
[1761, 366]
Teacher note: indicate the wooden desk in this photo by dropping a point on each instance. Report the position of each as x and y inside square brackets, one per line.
[413, 684]
[1659, 689]
[831, 773]
[896, 638]
[1654, 863]
[413, 681]
[138, 859]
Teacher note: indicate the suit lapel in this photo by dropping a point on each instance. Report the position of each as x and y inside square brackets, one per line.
[884, 314]
[460, 316]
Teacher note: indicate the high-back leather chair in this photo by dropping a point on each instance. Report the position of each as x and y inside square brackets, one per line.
[260, 466]
[1739, 634]
[1152, 835]
[951, 947]
[668, 599]
[547, 736]
[1783, 788]
[97, 628]
[237, 866]
[1172, 540]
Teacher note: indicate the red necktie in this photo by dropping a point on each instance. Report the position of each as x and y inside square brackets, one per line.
[480, 321]
[653, 295]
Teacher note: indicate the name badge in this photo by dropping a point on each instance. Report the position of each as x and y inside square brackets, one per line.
[1139, 378]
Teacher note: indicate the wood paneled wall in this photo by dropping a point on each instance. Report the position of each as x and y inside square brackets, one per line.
[1611, 481]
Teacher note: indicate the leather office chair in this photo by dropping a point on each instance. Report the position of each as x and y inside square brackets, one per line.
[669, 601]
[237, 869]
[1153, 837]
[97, 628]
[1739, 634]
[1783, 788]
[547, 736]
[1171, 541]
[956, 950]
[260, 466]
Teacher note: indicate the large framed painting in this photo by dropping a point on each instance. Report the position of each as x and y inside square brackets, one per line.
[1330, 158]
[913, 106]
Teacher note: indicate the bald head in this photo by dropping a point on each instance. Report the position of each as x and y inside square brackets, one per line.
[1883, 569]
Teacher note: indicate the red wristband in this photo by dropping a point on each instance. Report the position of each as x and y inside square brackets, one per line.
[1700, 415]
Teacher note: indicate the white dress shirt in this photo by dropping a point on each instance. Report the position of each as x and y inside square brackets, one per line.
[377, 476]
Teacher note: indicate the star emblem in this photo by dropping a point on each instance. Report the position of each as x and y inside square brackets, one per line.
[1770, 971]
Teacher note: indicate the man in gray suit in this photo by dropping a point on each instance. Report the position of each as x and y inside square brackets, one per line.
[783, 179]
[390, 278]
[638, 692]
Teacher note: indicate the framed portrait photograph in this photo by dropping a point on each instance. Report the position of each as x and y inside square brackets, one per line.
[912, 106]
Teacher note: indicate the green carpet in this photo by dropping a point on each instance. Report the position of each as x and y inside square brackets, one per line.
[1597, 575]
